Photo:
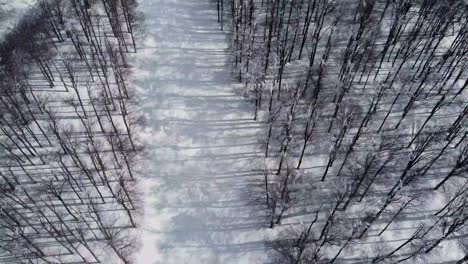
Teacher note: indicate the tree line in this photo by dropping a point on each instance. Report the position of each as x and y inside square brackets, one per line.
[365, 148]
[68, 146]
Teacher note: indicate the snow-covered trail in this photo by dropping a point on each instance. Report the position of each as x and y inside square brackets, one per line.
[200, 139]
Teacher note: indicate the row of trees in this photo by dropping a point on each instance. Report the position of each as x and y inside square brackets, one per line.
[365, 111]
[67, 142]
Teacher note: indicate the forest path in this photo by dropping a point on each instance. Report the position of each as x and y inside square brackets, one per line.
[200, 138]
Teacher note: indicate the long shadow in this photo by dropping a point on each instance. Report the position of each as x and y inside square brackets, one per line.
[199, 140]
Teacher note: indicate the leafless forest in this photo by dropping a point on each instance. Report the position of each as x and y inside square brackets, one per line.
[364, 105]
[67, 146]
[364, 113]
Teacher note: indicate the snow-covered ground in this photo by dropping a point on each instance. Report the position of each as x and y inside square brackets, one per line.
[10, 12]
[200, 139]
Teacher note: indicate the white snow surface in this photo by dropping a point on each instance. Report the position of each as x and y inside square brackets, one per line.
[199, 140]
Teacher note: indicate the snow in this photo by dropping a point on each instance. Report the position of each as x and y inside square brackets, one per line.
[200, 141]
[11, 12]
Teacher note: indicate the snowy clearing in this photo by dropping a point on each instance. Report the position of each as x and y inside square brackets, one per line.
[200, 140]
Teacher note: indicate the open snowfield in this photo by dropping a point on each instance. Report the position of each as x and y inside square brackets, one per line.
[199, 141]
